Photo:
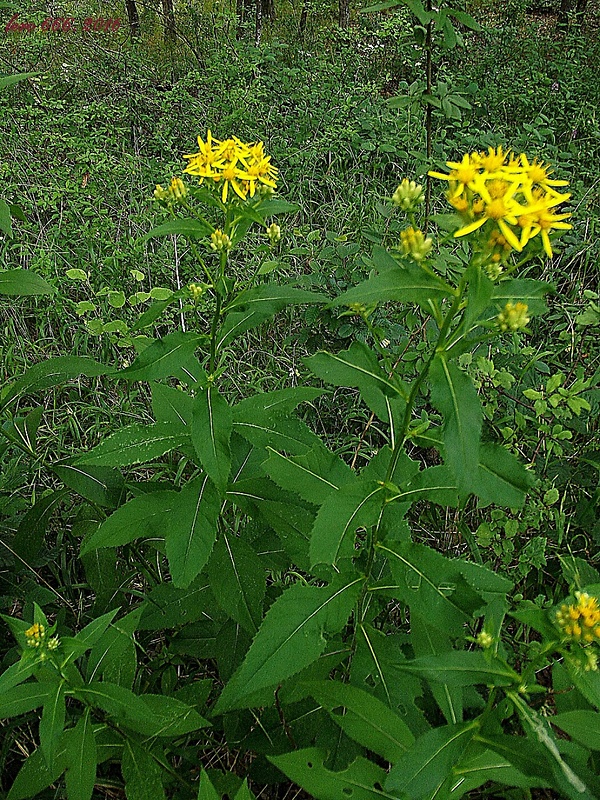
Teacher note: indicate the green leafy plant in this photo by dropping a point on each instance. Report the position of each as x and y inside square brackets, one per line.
[293, 578]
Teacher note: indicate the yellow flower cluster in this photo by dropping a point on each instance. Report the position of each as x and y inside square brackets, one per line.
[36, 637]
[517, 197]
[580, 621]
[234, 164]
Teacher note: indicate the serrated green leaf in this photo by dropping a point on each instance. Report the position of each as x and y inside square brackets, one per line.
[425, 767]
[501, 479]
[238, 581]
[17, 282]
[313, 476]
[52, 721]
[53, 372]
[364, 718]
[212, 423]
[431, 584]
[141, 773]
[89, 635]
[81, 760]
[461, 668]
[163, 358]
[253, 306]
[136, 444]
[454, 395]
[104, 486]
[21, 699]
[522, 290]
[174, 718]
[192, 528]
[583, 726]
[36, 775]
[362, 780]
[290, 638]
[169, 607]
[145, 515]
[17, 673]
[355, 505]
[192, 228]
[125, 707]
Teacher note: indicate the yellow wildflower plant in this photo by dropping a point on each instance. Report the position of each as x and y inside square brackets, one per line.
[580, 621]
[232, 163]
[507, 194]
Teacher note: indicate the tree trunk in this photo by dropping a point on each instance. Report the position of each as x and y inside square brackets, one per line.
[258, 27]
[268, 9]
[343, 13]
[169, 20]
[303, 20]
[133, 18]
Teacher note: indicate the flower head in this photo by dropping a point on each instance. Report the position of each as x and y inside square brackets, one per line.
[233, 164]
[580, 621]
[498, 191]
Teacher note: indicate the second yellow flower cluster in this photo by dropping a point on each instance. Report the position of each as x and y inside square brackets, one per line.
[517, 197]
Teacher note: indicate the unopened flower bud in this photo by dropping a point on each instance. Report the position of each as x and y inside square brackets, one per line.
[408, 195]
[274, 233]
[196, 291]
[219, 241]
[484, 640]
[513, 317]
[161, 194]
[415, 244]
[177, 189]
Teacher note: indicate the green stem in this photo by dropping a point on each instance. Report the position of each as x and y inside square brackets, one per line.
[440, 346]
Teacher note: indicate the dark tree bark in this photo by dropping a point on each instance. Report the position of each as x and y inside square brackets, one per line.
[566, 6]
[169, 20]
[268, 9]
[133, 18]
[303, 20]
[258, 26]
[343, 13]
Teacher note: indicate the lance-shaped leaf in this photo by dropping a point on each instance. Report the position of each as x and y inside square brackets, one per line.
[104, 486]
[479, 765]
[427, 640]
[52, 721]
[271, 206]
[358, 367]
[431, 584]
[53, 372]
[436, 484]
[423, 770]
[364, 718]
[141, 773]
[17, 282]
[406, 284]
[172, 405]
[23, 698]
[168, 607]
[162, 358]
[501, 479]
[479, 293]
[193, 228]
[581, 725]
[275, 431]
[522, 290]
[143, 516]
[291, 637]
[36, 775]
[453, 393]
[313, 476]
[81, 758]
[238, 582]
[253, 306]
[135, 444]
[362, 780]
[355, 505]
[280, 401]
[191, 530]
[212, 423]
[462, 668]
